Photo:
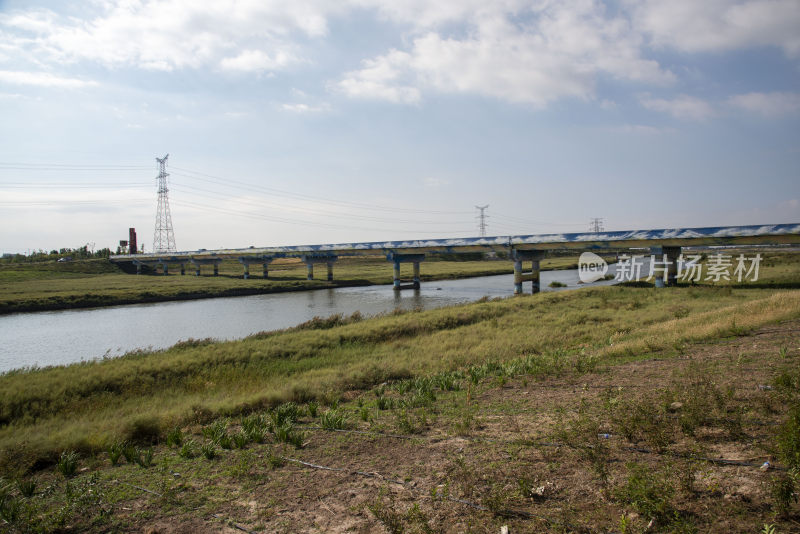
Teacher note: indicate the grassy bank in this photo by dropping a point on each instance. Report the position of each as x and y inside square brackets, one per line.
[505, 403]
[80, 284]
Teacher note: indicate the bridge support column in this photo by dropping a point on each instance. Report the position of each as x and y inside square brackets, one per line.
[247, 260]
[246, 271]
[397, 259]
[329, 260]
[519, 256]
[199, 262]
[165, 268]
[266, 269]
[183, 269]
[666, 263]
[138, 267]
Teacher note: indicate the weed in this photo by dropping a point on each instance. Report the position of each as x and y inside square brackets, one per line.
[175, 437]
[649, 494]
[782, 489]
[209, 450]
[130, 452]
[384, 403]
[286, 412]
[240, 440]
[189, 449]
[287, 433]
[556, 283]
[68, 463]
[27, 487]
[312, 407]
[145, 457]
[363, 413]
[333, 420]
[768, 529]
[255, 427]
[388, 516]
[788, 439]
[114, 452]
[275, 461]
[404, 423]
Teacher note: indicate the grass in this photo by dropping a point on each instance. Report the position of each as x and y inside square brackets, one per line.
[51, 285]
[420, 371]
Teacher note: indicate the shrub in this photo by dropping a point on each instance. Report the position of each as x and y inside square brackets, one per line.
[144, 430]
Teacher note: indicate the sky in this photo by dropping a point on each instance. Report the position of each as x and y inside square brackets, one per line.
[306, 122]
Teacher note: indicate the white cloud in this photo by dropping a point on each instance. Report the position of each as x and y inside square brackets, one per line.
[719, 25]
[42, 79]
[174, 34]
[535, 55]
[304, 108]
[774, 104]
[680, 107]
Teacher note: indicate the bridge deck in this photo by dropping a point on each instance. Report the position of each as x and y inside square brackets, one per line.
[774, 234]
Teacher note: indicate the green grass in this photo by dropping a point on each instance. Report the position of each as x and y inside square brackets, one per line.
[141, 396]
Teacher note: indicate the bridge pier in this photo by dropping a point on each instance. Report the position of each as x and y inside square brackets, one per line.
[310, 260]
[246, 261]
[183, 268]
[198, 262]
[519, 256]
[397, 259]
[666, 262]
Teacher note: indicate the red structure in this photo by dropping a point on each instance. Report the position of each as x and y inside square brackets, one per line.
[132, 241]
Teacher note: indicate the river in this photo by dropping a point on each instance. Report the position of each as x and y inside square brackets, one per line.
[67, 336]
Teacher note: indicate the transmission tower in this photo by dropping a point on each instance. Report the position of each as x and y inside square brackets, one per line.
[482, 219]
[596, 225]
[164, 237]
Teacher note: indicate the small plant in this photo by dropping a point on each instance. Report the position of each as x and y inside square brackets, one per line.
[783, 352]
[275, 461]
[145, 457]
[115, 452]
[364, 413]
[768, 529]
[384, 403]
[209, 450]
[404, 423]
[255, 427]
[130, 452]
[240, 440]
[188, 449]
[312, 407]
[556, 283]
[68, 463]
[647, 492]
[225, 441]
[175, 437]
[27, 487]
[333, 420]
[286, 412]
[286, 433]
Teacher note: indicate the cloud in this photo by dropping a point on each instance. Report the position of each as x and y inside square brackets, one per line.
[42, 79]
[174, 34]
[680, 107]
[774, 104]
[304, 108]
[719, 25]
[533, 55]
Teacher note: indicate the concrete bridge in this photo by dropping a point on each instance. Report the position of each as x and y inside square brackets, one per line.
[520, 248]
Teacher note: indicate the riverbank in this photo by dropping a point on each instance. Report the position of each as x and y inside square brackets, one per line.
[96, 283]
[534, 410]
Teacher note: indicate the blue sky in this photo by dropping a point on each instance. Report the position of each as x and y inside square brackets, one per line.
[311, 122]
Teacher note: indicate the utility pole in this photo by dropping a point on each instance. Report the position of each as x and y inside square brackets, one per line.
[482, 219]
[163, 237]
[596, 225]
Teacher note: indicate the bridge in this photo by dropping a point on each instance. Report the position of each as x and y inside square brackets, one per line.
[520, 248]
